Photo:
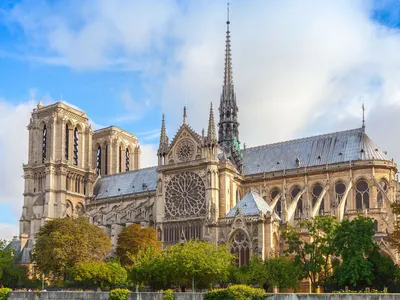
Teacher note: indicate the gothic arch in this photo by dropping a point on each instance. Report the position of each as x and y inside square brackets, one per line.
[240, 246]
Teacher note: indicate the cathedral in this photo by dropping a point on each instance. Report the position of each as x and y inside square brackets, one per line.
[206, 185]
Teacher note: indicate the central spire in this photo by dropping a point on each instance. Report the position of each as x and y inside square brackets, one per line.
[228, 127]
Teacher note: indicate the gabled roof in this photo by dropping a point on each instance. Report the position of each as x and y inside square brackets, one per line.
[331, 148]
[131, 182]
[250, 205]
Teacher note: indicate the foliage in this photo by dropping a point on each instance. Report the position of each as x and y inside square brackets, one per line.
[134, 238]
[168, 295]
[236, 292]
[178, 265]
[119, 294]
[101, 274]
[384, 271]
[9, 270]
[353, 242]
[4, 293]
[202, 262]
[312, 251]
[63, 243]
[282, 272]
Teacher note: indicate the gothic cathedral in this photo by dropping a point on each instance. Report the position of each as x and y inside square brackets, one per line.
[205, 186]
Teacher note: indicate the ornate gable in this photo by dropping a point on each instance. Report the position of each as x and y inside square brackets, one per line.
[185, 146]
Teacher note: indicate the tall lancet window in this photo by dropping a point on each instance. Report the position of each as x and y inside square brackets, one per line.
[98, 161]
[66, 141]
[44, 142]
[76, 137]
[106, 161]
[120, 159]
[127, 160]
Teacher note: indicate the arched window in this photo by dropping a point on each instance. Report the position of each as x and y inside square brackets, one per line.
[44, 143]
[340, 189]
[98, 161]
[106, 161]
[384, 186]
[299, 208]
[127, 160]
[66, 141]
[316, 192]
[240, 248]
[278, 207]
[120, 159]
[76, 139]
[79, 210]
[362, 195]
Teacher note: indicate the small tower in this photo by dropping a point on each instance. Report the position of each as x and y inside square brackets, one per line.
[163, 146]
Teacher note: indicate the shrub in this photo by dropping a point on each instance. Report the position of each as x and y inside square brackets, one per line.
[4, 293]
[236, 292]
[119, 294]
[168, 295]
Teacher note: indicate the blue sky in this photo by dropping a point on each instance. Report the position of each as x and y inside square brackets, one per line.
[300, 68]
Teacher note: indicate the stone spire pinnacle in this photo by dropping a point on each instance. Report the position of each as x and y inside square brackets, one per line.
[163, 137]
[184, 115]
[228, 127]
[211, 135]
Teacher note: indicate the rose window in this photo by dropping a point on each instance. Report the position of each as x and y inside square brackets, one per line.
[185, 196]
[185, 150]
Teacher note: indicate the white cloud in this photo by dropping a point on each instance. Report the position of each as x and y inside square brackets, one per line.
[148, 157]
[13, 152]
[8, 231]
[300, 67]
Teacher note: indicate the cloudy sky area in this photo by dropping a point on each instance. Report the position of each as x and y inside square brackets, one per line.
[300, 68]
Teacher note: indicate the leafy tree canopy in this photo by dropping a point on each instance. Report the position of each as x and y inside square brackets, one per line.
[134, 238]
[354, 243]
[64, 243]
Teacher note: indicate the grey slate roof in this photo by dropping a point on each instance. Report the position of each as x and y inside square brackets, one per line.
[331, 148]
[131, 182]
[250, 205]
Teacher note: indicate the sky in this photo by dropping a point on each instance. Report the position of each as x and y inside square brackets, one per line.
[300, 68]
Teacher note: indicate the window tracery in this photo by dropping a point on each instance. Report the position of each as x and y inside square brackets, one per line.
[185, 150]
[44, 144]
[76, 140]
[362, 195]
[127, 160]
[185, 196]
[299, 208]
[316, 192]
[384, 186]
[98, 161]
[66, 141]
[340, 189]
[240, 248]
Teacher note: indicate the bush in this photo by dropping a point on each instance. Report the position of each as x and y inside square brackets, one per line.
[168, 295]
[236, 292]
[119, 294]
[4, 293]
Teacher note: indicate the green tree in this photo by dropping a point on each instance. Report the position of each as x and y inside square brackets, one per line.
[64, 243]
[383, 270]
[134, 238]
[200, 262]
[10, 273]
[311, 245]
[353, 242]
[101, 274]
[281, 272]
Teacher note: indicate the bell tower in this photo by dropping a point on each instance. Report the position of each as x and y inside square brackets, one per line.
[58, 176]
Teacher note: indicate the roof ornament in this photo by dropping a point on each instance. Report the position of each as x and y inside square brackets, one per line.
[40, 104]
[211, 134]
[163, 137]
[184, 115]
[363, 118]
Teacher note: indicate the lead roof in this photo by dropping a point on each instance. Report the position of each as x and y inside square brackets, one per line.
[331, 148]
